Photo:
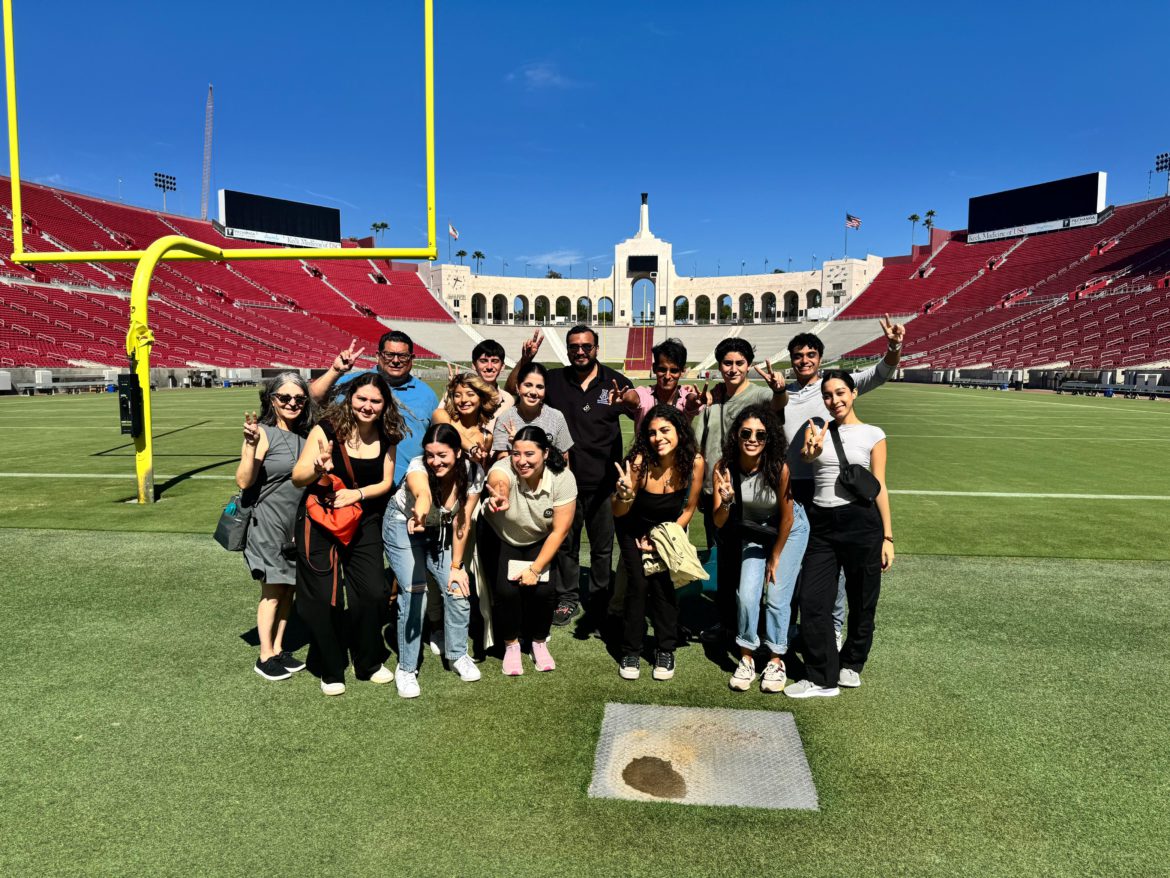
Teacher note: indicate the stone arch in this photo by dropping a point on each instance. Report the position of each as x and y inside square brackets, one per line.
[584, 311]
[747, 308]
[724, 309]
[564, 308]
[605, 311]
[791, 305]
[768, 308]
[520, 313]
[812, 299]
[681, 310]
[540, 310]
[478, 308]
[702, 309]
[643, 302]
[499, 308]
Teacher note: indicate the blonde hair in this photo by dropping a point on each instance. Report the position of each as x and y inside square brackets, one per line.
[489, 397]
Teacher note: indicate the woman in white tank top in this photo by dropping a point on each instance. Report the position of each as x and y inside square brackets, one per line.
[847, 531]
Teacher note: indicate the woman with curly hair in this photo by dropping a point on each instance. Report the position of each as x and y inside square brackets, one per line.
[354, 441]
[659, 482]
[470, 406]
[272, 444]
[753, 509]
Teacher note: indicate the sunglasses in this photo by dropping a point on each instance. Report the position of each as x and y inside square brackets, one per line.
[583, 348]
[294, 399]
[759, 435]
[387, 357]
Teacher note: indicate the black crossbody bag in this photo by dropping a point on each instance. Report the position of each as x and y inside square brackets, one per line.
[858, 482]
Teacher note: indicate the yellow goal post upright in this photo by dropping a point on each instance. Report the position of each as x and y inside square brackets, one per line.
[139, 337]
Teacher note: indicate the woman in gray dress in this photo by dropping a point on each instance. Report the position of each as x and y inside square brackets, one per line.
[272, 444]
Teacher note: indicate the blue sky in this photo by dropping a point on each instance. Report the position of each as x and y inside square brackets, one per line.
[754, 126]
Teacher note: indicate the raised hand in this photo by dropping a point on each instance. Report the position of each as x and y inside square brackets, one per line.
[814, 441]
[323, 463]
[721, 481]
[452, 371]
[532, 346]
[614, 393]
[895, 332]
[775, 379]
[497, 500]
[693, 398]
[251, 429]
[510, 429]
[344, 361]
[625, 482]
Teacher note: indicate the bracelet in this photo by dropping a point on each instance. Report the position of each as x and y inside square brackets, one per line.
[533, 571]
[361, 496]
[456, 565]
[889, 540]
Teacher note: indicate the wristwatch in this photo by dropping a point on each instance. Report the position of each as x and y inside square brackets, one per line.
[456, 565]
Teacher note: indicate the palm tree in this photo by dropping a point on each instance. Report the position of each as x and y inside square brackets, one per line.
[928, 223]
[460, 254]
[479, 257]
[378, 228]
[914, 218]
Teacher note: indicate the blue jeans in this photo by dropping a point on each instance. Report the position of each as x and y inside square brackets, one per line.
[777, 597]
[412, 557]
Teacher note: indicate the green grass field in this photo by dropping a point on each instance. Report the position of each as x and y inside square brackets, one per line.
[1012, 722]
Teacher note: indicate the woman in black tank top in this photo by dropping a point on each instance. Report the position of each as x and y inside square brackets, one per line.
[659, 482]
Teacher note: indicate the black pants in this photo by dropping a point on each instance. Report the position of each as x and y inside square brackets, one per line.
[517, 610]
[647, 594]
[595, 515]
[727, 563]
[842, 537]
[361, 584]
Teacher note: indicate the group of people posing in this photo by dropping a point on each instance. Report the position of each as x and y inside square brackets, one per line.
[478, 502]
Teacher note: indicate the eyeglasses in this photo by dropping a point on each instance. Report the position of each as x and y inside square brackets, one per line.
[760, 435]
[395, 357]
[666, 370]
[583, 348]
[294, 399]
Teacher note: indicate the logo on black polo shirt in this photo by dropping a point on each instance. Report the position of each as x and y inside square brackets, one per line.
[548, 513]
[603, 399]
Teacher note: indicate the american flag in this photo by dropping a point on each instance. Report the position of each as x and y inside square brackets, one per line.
[852, 222]
[452, 231]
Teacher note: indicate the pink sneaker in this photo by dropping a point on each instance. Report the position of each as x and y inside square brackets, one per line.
[512, 666]
[542, 657]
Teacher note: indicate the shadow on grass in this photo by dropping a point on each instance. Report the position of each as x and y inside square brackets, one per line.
[156, 436]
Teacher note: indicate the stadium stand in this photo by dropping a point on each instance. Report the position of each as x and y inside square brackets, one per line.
[244, 314]
[1083, 296]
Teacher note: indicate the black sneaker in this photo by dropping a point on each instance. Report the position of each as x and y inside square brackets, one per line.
[564, 614]
[663, 665]
[290, 662]
[272, 669]
[630, 667]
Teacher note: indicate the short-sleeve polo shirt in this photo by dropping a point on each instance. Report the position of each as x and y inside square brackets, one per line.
[593, 423]
[529, 516]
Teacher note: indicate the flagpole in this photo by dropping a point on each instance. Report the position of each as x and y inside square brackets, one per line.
[449, 240]
[846, 236]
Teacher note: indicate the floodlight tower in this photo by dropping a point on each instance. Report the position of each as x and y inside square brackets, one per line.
[166, 183]
[207, 114]
[1162, 165]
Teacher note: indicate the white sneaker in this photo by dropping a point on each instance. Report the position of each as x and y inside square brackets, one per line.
[809, 689]
[466, 669]
[774, 678]
[435, 642]
[332, 688]
[407, 683]
[840, 633]
[382, 675]
[744, 675]
[848, 678]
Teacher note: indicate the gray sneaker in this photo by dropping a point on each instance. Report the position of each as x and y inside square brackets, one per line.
[744, 675]
[809, 689]
[848, 678]
[774, 678]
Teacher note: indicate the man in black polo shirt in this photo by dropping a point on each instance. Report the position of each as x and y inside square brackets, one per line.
[588, 394]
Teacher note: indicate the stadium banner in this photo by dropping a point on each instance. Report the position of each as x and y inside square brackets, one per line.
[271, 238]
[278, 221]
[1072, 222]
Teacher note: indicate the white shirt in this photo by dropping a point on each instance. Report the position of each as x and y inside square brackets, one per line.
[858, 441]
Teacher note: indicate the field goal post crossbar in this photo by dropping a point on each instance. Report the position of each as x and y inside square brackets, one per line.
[139, 338]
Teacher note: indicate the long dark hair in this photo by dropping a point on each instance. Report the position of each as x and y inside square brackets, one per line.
[531, 433]
[449, 436]
[309, 411]
[775, 446]
[684, 454]
[339, 414]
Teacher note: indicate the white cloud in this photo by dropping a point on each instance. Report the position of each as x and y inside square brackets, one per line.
[554, 258]
[540, 75]
[686, 252]
[50, 180]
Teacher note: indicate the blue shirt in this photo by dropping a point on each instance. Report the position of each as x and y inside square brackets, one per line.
[416, 401]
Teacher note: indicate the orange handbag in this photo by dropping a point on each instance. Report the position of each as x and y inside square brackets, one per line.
[343, 522]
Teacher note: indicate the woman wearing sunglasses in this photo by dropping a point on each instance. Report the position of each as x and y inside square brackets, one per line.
[851, 530]
[272, 444]
[670, 361]
[753, 509]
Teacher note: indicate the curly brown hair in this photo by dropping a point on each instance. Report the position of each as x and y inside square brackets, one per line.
[684, 454]
[489, 397]
[775, 448]
[339, 414]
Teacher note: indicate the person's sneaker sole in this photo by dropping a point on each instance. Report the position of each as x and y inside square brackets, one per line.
[283, 675]
[382, 676]
[333, 688]
[629, 673]
[814, 692]
[663, 674]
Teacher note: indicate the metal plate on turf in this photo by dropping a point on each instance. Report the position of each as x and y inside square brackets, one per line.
[701, 756]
